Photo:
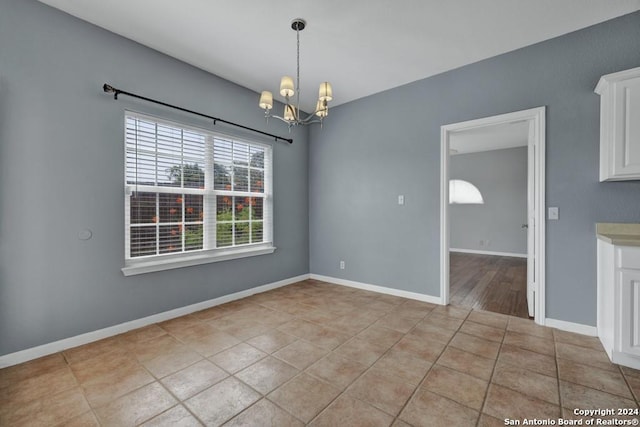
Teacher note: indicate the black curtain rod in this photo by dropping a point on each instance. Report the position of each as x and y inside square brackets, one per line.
[110, 89]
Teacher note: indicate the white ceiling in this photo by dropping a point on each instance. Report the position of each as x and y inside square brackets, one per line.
[495, 137]
[360, 46]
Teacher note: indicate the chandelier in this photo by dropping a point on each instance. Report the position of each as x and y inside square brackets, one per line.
[291, 114]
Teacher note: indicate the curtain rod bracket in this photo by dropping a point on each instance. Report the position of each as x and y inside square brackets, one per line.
[110, 89]
[107, 88]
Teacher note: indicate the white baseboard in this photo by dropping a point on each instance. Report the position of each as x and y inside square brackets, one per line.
[625, 359]
[57, 346]
[578, 328]
[474, 251]
[379, 289]
[60, 345]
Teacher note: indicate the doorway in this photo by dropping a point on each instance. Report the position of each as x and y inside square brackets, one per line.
[488, 219]
[533, 121]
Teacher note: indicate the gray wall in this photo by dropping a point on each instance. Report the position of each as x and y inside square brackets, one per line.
[61, 155]
[387, 144]
[61, 170]
[501, 177]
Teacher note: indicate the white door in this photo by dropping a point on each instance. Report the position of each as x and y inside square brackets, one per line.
[532, 282]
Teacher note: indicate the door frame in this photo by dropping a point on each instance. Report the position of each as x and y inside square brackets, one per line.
[536, 118]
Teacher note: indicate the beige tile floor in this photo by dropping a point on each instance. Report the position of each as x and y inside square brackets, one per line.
[325, 355]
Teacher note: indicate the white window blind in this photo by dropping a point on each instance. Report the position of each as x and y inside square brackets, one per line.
[191, 191]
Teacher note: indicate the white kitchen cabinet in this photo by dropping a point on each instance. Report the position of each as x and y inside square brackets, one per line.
[620, 125]
[619, 302]
[629, 312]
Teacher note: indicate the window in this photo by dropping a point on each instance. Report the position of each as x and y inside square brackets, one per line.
[192, 196]
[464, 192]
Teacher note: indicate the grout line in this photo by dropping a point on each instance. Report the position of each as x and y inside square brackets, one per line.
[180, 401]
[81, 389]
[264, 396]
[618, 367]
[252, 302]
[555, 359]
[344, 392]
[495, 363]
[424, 378]
[96, 416]
[626, 380]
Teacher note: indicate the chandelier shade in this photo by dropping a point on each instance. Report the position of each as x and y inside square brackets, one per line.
[290, 89]
[266, 100]
[325, 93]
[286, 86]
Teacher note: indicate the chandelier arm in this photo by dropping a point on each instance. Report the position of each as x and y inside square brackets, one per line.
[308, 120]
[273, 116]
[305, 122]
[309, 117]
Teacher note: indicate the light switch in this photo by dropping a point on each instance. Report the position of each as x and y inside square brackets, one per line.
[553, 213]
[401, 199]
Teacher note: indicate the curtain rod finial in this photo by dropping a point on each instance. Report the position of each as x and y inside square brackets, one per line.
[110, 89]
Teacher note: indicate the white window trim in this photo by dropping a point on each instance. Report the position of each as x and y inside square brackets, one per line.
[141, 265]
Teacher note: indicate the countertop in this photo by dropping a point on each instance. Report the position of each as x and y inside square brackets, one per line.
[621, 234]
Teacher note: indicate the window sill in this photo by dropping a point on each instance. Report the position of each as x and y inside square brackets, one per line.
[134, 267]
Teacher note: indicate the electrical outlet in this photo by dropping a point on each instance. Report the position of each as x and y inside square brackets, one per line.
[487, 242]
[341, 265]
[481, 242]
[554, 213]
[401, 199]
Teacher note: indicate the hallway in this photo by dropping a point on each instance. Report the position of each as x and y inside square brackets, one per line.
[490, 283]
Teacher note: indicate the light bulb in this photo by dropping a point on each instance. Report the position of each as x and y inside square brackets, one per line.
[289, 115]
[322, 110]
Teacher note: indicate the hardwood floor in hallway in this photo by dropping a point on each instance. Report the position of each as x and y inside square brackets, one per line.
[488, 282]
